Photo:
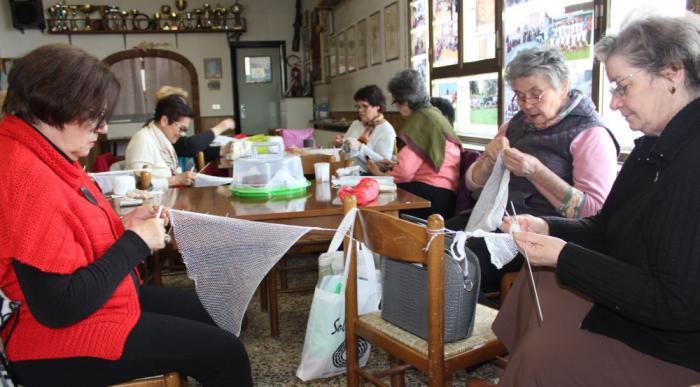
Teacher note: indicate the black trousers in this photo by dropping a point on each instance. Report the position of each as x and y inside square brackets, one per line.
[442, 201]
[174, 333]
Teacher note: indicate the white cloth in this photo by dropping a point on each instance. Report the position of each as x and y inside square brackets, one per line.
[380, 145]
[149, 146]
[488, 213]
[227, 258]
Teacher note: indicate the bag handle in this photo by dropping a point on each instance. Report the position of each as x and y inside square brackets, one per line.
[345, 225]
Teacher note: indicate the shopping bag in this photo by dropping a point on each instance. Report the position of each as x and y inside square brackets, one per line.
[324, 353]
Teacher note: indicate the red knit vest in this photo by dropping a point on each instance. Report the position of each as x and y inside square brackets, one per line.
[48, 223]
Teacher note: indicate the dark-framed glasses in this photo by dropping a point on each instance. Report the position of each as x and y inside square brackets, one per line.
[362, 106]
[617, 88]
[101, 120]
[182, 128]
[532, 99]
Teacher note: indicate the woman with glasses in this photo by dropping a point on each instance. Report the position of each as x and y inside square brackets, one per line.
[562, 159]
[429, 150]
[370, 137]
[152, 146]
[619, 291]
[84, 318]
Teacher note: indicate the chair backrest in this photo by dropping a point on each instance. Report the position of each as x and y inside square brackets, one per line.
[404, 241]
[464, 201]
[199, 160]
[308, 161]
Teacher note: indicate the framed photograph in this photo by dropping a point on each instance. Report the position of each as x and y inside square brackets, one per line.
[258, 69]
[340, 42]
[361, 49]
[375, 40]
[333, 56]
[212, 68]
[391, 31]
[350, 48]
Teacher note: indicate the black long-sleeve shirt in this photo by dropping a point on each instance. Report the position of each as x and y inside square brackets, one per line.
[58, 300]
[188, 146]
[639, 258]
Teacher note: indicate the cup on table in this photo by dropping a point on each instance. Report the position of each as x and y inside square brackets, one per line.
[144, 178]
[322, 172]
[123, 184]
[323, 192]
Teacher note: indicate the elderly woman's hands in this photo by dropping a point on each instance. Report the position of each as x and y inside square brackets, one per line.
[541, 250]
[379, 167]
[494, 147]
[521, 164]
[338, 140]
[527, 223]
[183, 179]
[142, 220]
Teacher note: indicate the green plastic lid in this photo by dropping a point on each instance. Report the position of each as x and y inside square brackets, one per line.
[287, 192]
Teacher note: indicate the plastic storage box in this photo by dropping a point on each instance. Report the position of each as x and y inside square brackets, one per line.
[272, 174]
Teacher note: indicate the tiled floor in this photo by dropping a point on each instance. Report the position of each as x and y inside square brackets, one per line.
[274, 361]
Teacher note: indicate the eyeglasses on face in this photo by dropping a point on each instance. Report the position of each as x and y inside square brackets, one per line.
[362, 106]
[182, 128]
[532, 99]
[617, 88]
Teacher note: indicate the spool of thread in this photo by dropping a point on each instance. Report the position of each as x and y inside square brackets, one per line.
[123, 184]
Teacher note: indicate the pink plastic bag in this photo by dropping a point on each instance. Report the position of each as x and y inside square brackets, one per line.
[365, 191]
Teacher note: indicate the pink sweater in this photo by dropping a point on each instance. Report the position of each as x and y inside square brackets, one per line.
[411, 167]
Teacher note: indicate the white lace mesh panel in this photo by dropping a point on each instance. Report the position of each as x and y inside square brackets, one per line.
[227, 258]
[488, 213]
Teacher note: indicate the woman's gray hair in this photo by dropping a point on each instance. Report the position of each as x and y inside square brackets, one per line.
[409, 86]
[539, 61]
[655, 42]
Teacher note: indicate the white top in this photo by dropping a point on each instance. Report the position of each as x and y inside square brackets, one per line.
[150, 147]
[380, 145]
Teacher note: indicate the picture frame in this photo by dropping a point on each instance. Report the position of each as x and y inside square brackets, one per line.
[391, 31]
[350, 54]
[361, 50]
[374, 38]
[212, 68]
[340, 43]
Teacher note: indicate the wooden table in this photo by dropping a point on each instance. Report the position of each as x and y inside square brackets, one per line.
[318, 207]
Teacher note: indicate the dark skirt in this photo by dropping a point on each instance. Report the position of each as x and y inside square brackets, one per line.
[442, 201]
[559, 353]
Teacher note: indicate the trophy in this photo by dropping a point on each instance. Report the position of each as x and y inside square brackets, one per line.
[87, 9]
[198, 23]
[124, 15]
[165, 15]
[180, 5]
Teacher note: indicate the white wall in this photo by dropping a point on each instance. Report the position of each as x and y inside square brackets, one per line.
[266, 20]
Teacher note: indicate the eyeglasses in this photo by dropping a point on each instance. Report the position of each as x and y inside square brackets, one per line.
[100, 121]
[182, 128]
[362, 106]
[617, 89]
[521, 98]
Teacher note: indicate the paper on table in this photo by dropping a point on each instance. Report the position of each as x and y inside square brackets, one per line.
[202, 180]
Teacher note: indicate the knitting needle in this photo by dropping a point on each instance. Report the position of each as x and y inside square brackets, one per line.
[160, 209]
[540, 318]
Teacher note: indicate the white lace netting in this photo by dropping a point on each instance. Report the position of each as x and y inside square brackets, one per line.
[488, 213]
[227, 258]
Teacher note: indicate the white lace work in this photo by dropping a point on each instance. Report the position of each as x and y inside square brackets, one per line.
[488, 213]
[227, 258]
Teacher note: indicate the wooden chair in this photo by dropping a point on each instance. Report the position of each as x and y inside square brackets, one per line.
[398, 239]
[199, 161]
[308, 161]
[171, 379]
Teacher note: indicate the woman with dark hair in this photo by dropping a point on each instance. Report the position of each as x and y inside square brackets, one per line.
[370, 137]
[84, 318]
[152, 146]
[429, 150]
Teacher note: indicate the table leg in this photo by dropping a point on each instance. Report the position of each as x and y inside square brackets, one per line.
[263, 295]
[272, 299]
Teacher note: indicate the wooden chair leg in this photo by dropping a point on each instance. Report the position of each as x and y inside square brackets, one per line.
[398, 379]
[283, 273]
[272, 302]
[263, 295]
[156, 278]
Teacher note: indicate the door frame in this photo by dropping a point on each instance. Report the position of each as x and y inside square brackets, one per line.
[281, 44]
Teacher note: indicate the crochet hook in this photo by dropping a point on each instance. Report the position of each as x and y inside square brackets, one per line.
[540, 318]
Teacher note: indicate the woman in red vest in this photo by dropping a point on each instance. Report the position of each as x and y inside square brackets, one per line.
[85, 319]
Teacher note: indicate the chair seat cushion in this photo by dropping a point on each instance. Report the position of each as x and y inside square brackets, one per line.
[481, 336]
